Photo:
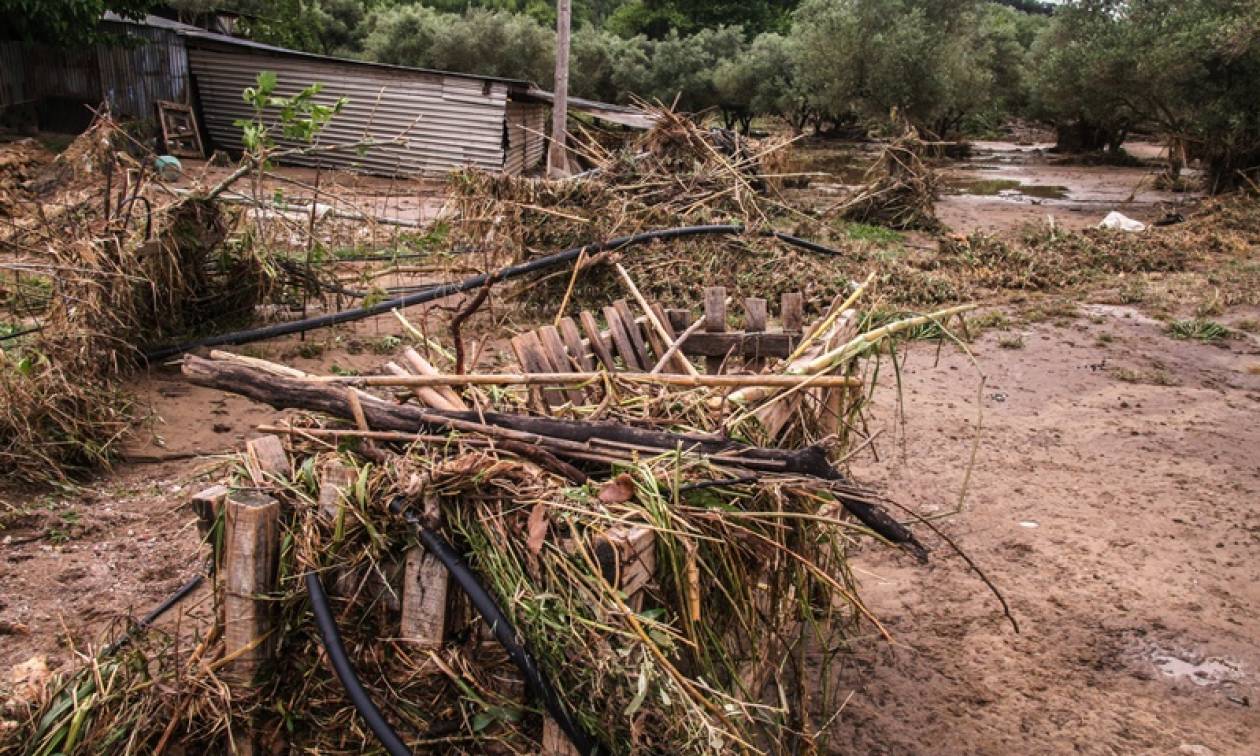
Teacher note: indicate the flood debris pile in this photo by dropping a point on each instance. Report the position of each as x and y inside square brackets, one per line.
[673, 559]
[1221, 231]
[899, 190]
[98, 263]
[676, 174]
[99, 268]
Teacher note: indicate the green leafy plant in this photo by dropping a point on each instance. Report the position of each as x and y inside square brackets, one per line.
[1199, 330]
[299, 117]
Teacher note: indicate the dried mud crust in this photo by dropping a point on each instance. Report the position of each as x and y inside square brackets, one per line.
[1120, 521]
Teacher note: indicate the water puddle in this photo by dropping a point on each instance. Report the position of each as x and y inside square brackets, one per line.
[1006, 188]
[1200, 670]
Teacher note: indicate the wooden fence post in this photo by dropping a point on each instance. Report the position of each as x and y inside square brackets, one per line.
[251, 551]
[714, 322]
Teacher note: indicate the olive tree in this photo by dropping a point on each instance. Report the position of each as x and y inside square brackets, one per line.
[763, 81]
[873, 58]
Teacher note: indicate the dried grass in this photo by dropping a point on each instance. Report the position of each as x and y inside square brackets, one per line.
[121, 275]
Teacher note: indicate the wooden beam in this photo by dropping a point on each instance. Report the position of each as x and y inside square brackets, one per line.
[792, 311]
[718, 345]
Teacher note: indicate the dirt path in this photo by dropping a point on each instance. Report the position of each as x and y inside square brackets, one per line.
[1120, 519]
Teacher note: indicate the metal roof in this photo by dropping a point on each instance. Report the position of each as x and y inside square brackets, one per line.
[196, 32]
[625, 115]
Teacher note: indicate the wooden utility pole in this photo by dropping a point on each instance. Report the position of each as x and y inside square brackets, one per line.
[557, 155]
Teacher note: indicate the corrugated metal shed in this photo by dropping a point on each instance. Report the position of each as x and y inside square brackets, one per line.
[131, 69]
[442, 120]
[150, 66]
[527, 135]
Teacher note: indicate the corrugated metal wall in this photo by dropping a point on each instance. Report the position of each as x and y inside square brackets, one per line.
[460, 118]
[132, 74]
[152, 66]
[12, 74]
[527, 127]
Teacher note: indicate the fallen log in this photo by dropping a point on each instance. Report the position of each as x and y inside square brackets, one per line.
[584, 440]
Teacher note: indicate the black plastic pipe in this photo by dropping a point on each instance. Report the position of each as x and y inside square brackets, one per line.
[179, 595]
[502, 627]
[345, 670]
[477, 281]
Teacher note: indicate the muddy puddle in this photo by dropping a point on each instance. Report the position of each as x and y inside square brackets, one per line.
[1003, 186]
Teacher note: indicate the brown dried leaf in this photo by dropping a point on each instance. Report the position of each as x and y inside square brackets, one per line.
[537, 528]
[618, 490]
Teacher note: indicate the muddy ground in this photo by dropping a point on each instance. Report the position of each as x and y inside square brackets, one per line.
[1112, 501]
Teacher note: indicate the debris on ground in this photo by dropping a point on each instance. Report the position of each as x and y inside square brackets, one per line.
[1120, 222]
[676, 590]
[898, 191]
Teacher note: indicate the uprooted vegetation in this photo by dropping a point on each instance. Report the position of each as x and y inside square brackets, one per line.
[115, 274]
[727, 639]
[107, 265]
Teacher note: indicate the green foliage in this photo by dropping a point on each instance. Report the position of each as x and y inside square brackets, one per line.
[299, 116]
[1199, 330]
[918, 58]
[657, 19]
[763, 80]
[66, 23]
[486, 42]
[1188, 68]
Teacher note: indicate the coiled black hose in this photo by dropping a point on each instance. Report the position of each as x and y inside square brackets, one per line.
[345, 670]
[490, 613]
[477, 281]
[502, 627]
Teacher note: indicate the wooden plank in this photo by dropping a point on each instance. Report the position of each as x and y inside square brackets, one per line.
[554, 350]
[755, 317]
[621, 340]
[714, 322]
[573, 342]
[755, 314]
[599, 346]
[679, 319]
[659, 347]
[251, 551]
[572, 337]
[662, 317]
[631, 324]
[425, 582]
[532, 359]
[792, 311]
[266, 460]
[335, 478]
[718, 345]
